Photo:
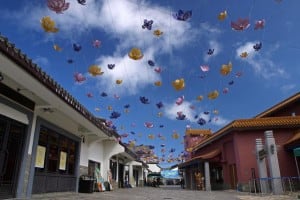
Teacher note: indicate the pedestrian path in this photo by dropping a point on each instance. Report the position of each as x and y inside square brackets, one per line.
[161, 193]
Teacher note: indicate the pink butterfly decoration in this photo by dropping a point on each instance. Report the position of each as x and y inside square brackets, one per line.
[96, 43]
[204, 68]
[179, 100]
[260, 24]
[58, 6]
[148, 124]
[240, 24]
[79, 78]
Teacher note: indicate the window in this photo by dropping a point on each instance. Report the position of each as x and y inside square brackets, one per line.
[60, 156]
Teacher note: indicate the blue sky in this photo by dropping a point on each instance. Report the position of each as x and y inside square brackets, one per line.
[267, 76]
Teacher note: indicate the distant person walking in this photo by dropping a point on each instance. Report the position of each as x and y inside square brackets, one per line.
[182, 183]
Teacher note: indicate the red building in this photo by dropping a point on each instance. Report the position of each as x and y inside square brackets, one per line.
[227, 159]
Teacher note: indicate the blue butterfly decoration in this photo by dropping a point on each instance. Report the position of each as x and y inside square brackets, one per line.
[159, 105]
[70, 61]
[231, 82]
[183, 15]
[127, 106]
[210, 51]
[114, 115]
[206, 112]
[147, 24]
[257, 46]
[82, 2]
[151, 63]
[104, 94]
[161, 126]
[111, 66]
[77, 47]
[144, 100]
[180, 116]
[201, 121]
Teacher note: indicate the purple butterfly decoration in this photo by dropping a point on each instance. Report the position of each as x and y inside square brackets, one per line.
[183, 15]
[257, 46]
[180, 116]
[151, 63]
[147, 24]
[111, 66]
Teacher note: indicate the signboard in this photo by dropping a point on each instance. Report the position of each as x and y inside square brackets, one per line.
[40, 156]
[62, 160]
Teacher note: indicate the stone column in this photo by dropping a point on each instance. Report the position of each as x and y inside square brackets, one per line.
[117, 172]
[131, 178]
[207, 176]
[273, 163]
[262, 167]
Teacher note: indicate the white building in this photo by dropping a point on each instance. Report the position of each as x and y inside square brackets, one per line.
[47, 138]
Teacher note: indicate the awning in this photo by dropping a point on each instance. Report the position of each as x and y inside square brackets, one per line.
[201, 157]
[293, 139]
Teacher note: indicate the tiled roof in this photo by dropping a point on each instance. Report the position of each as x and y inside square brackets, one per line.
[24, 62]
[253, 124]
[278, 106]
[195, 132]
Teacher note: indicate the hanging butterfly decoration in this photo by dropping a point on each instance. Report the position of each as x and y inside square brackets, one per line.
[157, 70]
[244, 55]
[70, 61]
[179, 100]
[148, 125]
[178, 84]
[119, 81]
[159, 105]
[257, 46]
[157, 32]
[89, 95]
[259, 24]
[79, 78]
[226, 69]
[82, 2]
[180, 116]
[201, 121]
[222, 16]
[103, 94]
[111, 66]
[77, 47]
[135, 54]
[56, 47]
[58, 6]
[144, 100]
[114, 115]
[151, 63]
[158, 83]
[96, 43]
[183, 15]
[213, 95]
[48, 25]
[95, 70]
[210, 52]
[204, 68]
[240, 24]
[147, 24]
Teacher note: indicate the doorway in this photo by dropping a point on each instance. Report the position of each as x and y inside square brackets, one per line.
[11, 143]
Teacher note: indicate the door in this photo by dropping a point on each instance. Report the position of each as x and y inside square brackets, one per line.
[11, 140]
[233, 176]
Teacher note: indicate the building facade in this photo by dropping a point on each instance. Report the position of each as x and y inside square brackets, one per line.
[47, 138]
[229, 158]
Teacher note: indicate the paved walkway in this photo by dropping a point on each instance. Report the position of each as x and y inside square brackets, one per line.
[162, 193]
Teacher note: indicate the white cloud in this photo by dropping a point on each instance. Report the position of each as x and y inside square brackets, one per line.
[288, 87]
[41, 61]
[262, 65]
